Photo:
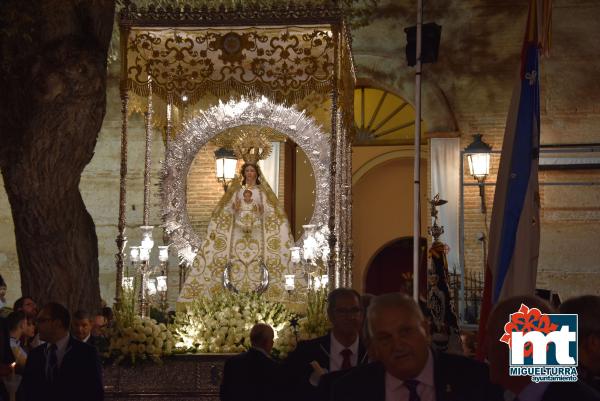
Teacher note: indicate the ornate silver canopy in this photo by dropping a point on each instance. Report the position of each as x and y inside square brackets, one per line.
[298, 126]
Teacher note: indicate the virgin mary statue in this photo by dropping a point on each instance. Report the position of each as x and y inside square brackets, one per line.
[247, 242]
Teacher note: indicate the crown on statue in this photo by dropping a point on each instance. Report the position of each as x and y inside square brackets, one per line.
[252, 146]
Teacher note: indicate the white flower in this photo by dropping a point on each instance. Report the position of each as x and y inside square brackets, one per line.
[222, 322]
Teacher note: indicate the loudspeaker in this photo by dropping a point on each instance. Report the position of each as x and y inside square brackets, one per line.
[430, 43]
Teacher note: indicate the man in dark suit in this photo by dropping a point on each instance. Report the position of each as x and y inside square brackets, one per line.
[81, 329]
[587, 307]
[339, 350]
[62, 369]
[521, 386]
[406, 368]
[6, 356]
[252, 375]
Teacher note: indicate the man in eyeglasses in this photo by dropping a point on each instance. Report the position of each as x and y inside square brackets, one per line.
[338, 350]
[405, 367]
[63, 368]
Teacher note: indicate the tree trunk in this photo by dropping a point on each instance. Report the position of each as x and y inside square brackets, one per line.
[52, 105]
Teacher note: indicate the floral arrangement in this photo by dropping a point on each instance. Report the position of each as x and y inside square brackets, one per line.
[222, 323]
[143, 339]
[316, 323]
[217, 324]
[135, 338]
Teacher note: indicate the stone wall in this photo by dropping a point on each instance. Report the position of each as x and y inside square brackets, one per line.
[468, 91]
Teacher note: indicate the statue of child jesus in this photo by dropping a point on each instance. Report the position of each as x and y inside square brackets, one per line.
[248, 211]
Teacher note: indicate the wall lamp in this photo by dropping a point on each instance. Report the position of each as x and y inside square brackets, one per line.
[479, 158]
[226, 162]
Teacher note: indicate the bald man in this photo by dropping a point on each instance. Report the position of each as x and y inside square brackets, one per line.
[252, 375]
[521, 388]
[407, 369]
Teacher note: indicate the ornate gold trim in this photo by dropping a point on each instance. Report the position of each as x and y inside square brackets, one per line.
[286, 63]
[281, 13]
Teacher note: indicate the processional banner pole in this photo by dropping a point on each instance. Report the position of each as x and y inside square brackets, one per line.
[121, 239]
[145, 265]
[417, 168]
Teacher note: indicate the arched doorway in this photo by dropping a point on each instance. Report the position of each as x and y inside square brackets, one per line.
[382, 175]
[390, 270]
[382, 118]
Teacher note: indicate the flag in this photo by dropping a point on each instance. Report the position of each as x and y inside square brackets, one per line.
[514, 237]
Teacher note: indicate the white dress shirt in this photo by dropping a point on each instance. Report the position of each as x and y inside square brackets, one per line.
[335, 357]
[18, 352]
[532, 392]
[395, 390]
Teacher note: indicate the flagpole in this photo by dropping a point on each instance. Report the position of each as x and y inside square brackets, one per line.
[417, 168]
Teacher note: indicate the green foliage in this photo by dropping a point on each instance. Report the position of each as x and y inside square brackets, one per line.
[125, 310]
[316, 323]
[133, 338]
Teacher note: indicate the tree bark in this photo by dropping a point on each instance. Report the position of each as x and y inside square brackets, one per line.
[52, 103]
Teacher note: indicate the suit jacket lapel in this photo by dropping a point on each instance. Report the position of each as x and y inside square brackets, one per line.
[379, 378]
[363, 358]
[324, 350]
[438, 377]
[67, 356]
[443, 387]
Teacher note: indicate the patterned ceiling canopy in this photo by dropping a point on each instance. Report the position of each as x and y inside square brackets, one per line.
[287, 63]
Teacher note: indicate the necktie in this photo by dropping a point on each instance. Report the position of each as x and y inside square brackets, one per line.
[411, 385]
[52, 363]
[346, 363]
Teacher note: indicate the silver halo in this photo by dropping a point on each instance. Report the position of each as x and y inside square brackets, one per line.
[197, 132]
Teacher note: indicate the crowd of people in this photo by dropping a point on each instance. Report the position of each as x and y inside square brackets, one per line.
[54, 351]
[383, 353]
[378, 349]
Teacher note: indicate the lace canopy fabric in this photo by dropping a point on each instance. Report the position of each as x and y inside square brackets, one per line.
[287, 62]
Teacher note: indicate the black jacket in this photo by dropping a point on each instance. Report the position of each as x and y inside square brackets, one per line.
[456, 379]
[298, 368]
[79, 376]
[570, 391]
[250, 376]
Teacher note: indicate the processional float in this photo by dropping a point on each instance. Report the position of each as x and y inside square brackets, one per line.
[197, 72]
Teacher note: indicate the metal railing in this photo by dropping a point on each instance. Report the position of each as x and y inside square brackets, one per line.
[470, 296]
